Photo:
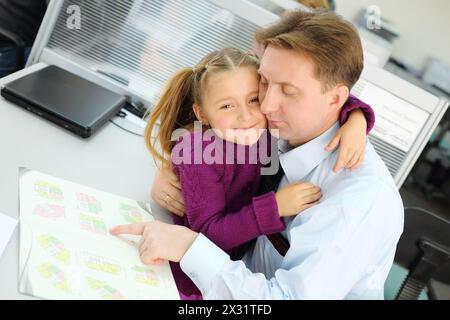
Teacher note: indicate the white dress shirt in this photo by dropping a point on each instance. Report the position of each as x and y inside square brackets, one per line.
[341, 248]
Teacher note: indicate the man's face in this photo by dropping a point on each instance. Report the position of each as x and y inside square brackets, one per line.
[291, 97]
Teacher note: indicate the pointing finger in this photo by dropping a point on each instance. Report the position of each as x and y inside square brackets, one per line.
[135, 228]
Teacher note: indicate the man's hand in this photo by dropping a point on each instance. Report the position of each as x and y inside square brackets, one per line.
[160, 241]
[166, 191]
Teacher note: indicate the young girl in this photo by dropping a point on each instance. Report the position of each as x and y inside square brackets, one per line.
[221, 197]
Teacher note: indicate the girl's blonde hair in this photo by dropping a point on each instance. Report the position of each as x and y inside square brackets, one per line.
[185, 88]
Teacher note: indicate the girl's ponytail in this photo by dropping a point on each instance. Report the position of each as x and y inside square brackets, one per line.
[186, 87]
[174, 109]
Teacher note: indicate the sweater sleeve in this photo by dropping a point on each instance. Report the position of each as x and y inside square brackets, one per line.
[204, 195]
[354, 103]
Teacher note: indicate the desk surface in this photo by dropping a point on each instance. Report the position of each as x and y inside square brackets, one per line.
[112, 160]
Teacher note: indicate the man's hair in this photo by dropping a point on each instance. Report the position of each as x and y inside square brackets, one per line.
[332, 43]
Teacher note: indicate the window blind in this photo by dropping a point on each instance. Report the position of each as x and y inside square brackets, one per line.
[141, 43]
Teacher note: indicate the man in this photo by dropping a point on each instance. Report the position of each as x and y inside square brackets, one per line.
[341, 248]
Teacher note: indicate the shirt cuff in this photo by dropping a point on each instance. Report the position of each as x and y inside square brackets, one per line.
[203, 261]
[266, 213]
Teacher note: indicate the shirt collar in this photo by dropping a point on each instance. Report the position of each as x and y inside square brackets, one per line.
[298, 162]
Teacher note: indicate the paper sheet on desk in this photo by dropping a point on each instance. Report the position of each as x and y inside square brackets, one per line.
[66, 251]
[7, 226]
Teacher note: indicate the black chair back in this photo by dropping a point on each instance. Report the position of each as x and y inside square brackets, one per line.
[424, 249]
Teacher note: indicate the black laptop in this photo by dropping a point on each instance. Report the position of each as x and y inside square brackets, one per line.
[64, 98]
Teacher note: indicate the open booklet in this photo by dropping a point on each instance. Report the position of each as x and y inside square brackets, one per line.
[66, 251]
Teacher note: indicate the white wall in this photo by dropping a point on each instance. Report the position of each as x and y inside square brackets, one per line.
[424, 26]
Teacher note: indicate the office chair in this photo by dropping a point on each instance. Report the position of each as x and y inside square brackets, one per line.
[20, 47]
[424, 249]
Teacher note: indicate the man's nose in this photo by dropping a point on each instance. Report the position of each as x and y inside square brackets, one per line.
[269, 103]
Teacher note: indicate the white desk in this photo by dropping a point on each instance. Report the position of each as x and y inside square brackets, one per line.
[111, 160]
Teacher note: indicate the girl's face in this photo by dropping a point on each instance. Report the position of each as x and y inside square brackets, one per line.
[231, 106]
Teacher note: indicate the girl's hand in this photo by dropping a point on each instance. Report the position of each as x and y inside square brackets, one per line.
[351, 139]
[296, 197]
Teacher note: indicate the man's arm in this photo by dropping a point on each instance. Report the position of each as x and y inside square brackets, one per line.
[166, 191]
[317, 266]
[334, 249]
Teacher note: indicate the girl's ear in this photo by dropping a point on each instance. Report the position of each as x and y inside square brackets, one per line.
[199, 114]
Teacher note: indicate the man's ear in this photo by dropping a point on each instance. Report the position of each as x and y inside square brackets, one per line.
[198, 111]
[338, 97]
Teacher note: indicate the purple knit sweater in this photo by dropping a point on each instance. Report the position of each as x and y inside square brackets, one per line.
[220, 199]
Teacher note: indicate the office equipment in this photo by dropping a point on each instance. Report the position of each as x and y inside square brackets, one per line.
[405, 118]
[372, 20]
[66, 251]
[377, 50]
[65, 99]
[138, 45]
[437, 73]
[114, 76]
[99, 164]
[278, 7]
[7, 226]
[377, 35]
[136, 108]
[424, 249]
